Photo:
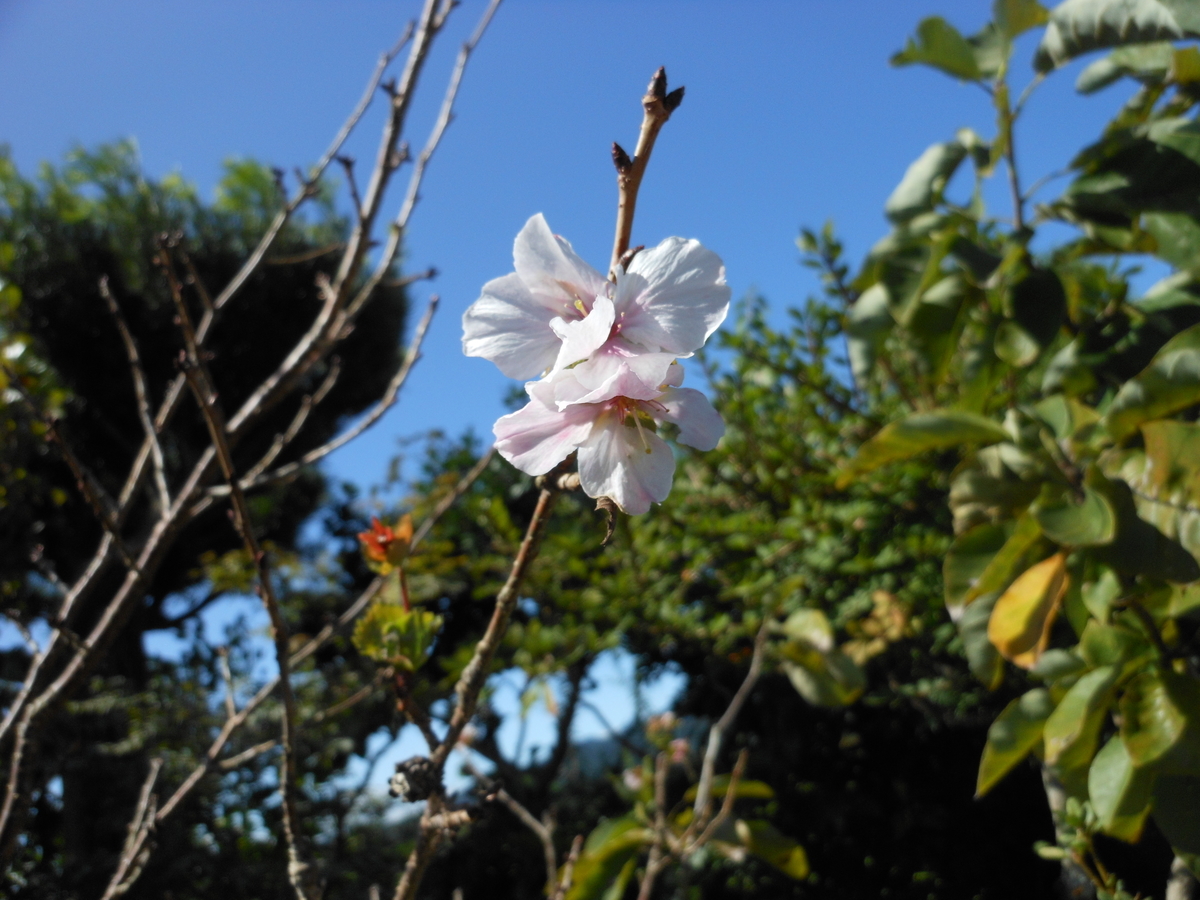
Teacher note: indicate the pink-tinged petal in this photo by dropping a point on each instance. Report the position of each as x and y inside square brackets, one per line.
[674, 376]
[621, 381]
[553, 272]
[583, 337]
[700, 425]
[509, 327]
[620, 355]
[537, 437]
[634, 467]
[673, 296]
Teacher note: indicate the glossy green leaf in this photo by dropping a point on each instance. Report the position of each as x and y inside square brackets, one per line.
[749, 790]
[1177, 236]
[829, 679]
[1171, 382]
[939, 44]
[1014, 734]
[924, 181]
[1014, 345]
[919, 433]
[1119, 791]
[985, 662]
[606, 853]
[1014, 17]
[1089, 523]
[1038, 304]
[1110, 645]
[1080, 26]
[1073, 728]
[1160, 717]
[1012, 559]
[1139, 60]
[969, 558]
[868, 323]
[766, 842]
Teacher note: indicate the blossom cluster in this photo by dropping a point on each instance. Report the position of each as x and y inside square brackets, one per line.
[607, 353]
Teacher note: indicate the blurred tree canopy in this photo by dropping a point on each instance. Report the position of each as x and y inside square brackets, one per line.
[960, 488]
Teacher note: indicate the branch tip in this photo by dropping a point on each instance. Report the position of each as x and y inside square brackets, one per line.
[658, 84]
[672, 100]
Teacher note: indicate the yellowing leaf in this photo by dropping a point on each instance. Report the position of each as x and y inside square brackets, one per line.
[1020, 623]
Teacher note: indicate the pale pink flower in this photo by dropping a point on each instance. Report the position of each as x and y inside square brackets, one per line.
[614, 430]
[557, 312]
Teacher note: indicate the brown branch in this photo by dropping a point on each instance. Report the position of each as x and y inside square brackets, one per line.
[471, 682]
[657, 105]
[716, 735]
[568, 872]
[142, 394]
[386, 402]
[132, 857]
[543, 828]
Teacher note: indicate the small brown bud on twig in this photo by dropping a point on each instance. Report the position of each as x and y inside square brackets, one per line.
[658, 84]
[621, 159]
[628, 255]
[672, 100]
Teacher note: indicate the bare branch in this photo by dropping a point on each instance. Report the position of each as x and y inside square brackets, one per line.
[132, 856]
[543, 828]
[657, 105]
[142, 393]
[464, 485]
[568, 873]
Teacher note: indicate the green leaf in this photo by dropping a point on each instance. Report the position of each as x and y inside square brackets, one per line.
[1073, 728]
[968, 559]
[1080, 26]
[918, 433]
[830, 679]
[750, 790]
[1015, 345]
[1038, 304]
[924, 181]
[1177, 236]
[1169, 488]
[1014, 734]
[1089, 523]
[1176, 799]
[608, 850]
[1170, 383]
[983, 660]
[1020, 623]
[766, 842]
[1139, 60]
[1159, 720]
[1110, 645]
[939, 44]
[1015, 17]
[1119, 792]
[389, 633]
[1012, 559]
[868, 323]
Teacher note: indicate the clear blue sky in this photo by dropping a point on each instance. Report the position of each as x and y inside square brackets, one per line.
[793, 116]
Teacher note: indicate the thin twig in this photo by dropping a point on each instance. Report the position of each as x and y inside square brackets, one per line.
[139, 827]
[716, 734]
[568, 872]
[657, 105]
[542, 828]
[142, 393]
[463, 485]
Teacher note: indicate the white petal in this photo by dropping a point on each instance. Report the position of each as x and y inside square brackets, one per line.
[537, 437]
[611, 374]
[552, 271]
[673, 296]
[614, 462]
[700, 425]
[508, 326]
[674, 376]
[622, 381]
[583, 337]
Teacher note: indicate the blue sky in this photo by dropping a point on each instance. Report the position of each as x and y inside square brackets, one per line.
[793, 116]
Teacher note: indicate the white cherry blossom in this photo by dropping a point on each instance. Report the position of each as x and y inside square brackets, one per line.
[614, 431]
[556, 312]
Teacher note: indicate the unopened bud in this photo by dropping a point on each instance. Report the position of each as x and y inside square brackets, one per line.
[658, 84]
[621, 159]
[415, 779]
[672, 100]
